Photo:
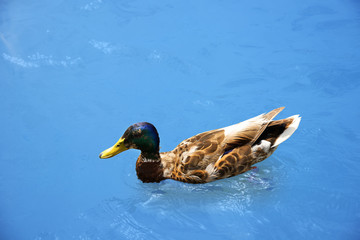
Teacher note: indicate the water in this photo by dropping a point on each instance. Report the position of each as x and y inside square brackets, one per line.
[76, 74]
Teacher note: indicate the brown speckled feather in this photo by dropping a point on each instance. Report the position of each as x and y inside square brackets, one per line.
[224, 152]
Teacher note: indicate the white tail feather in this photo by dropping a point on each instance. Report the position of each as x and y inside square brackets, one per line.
[289, 131]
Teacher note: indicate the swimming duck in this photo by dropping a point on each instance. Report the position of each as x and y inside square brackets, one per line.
[208, 156]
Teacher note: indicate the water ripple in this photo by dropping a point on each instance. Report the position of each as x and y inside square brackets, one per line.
[37, 60]
[172, 203]
[335, 82]
[93, 5]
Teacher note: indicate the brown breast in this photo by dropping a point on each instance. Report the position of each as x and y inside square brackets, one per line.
[149, 171]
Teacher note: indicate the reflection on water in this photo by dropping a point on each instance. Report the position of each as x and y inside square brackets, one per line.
[37, 60]
[171, 204]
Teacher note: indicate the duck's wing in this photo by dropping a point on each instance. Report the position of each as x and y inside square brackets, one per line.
[193, 153]
[248, 132]
[193, 158]
[240, 159]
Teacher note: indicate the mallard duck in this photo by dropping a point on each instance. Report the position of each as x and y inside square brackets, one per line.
[208, 156]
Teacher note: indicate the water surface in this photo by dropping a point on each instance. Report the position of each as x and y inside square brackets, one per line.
[76, 74]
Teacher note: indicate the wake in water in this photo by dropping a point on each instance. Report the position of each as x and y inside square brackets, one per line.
[173, 203]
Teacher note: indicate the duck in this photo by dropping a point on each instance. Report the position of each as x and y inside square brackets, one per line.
[208, 156]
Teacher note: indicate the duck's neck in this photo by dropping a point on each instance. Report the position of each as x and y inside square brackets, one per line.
[149, 167]
[150, 156]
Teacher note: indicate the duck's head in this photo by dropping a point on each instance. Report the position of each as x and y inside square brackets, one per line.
[142, 136]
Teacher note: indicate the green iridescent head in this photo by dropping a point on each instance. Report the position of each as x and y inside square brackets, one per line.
[142, 136]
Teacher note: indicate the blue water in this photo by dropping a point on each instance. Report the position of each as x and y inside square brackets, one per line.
[75, 74]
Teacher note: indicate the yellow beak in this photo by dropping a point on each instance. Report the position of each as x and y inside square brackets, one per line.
[114, 150]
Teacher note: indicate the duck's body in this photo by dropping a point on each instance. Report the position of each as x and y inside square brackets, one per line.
[208, 156]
